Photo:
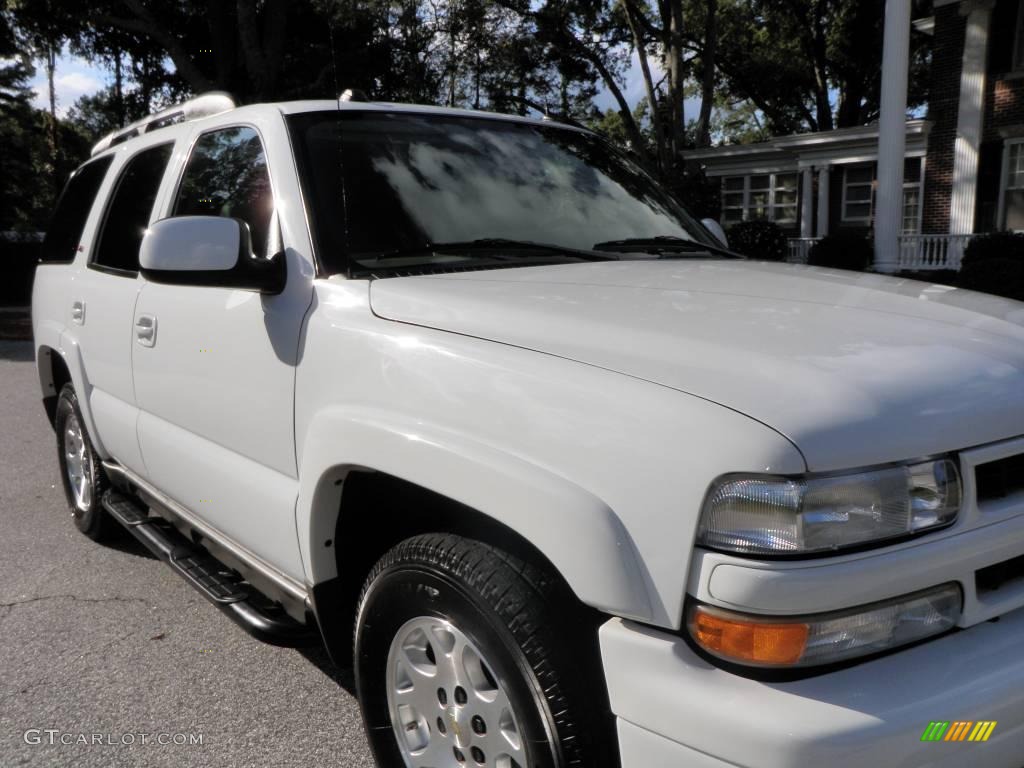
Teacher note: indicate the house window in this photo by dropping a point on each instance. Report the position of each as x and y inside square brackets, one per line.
[1012, 193]
[859, 195]
[771, 196]
[912, 193]
[733, 199]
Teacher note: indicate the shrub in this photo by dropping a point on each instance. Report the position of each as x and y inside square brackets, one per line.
[1002, 276]
[842, 250]
[758, 239]
[994, 245]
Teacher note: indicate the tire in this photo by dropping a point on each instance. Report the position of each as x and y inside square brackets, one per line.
[468, 656]
[80, 468]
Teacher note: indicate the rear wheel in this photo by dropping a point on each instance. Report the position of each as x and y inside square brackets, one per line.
[80, 470]
[467, 656]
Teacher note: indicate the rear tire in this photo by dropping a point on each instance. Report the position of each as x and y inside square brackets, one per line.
[80, 468]
[468, 656]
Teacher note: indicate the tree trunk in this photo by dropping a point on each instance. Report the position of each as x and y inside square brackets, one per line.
[51, 68]
[119, 88]
[652, 97]
[707, 87]
[676, 77]
[819, 55]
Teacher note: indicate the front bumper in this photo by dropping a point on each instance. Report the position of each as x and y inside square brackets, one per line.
[674, 708]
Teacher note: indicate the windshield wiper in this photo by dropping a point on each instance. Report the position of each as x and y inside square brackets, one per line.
[661, 244]
[488, 244]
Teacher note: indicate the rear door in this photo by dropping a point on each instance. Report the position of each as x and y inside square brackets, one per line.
[216, 382]
[103, 295]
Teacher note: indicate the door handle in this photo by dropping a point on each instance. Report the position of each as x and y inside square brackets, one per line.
[78, 313]
[145, 330]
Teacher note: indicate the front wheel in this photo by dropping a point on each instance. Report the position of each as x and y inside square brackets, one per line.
[467, 656]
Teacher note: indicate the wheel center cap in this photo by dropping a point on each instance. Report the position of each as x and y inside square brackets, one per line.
[459, 730]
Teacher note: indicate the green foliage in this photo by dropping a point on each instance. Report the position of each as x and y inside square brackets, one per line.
[767, 66]
[844, 249]
[758, 239]
[810, 64]
[994, 263]
[699, 194]
[1001, 276]
[994, 245]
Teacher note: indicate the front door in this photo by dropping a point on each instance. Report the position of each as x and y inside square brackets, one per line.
[215, 367]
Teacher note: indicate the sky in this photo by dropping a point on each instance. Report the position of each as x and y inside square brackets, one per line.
[75, 77]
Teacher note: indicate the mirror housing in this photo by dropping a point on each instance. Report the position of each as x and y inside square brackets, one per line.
[715, 229]
[212, 251]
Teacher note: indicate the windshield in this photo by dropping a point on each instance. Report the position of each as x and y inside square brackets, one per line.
[398, 186]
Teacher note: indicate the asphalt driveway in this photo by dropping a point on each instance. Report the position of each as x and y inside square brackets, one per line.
[103, 644]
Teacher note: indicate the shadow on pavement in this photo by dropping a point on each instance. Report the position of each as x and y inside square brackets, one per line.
[317, 656]
[123, 541]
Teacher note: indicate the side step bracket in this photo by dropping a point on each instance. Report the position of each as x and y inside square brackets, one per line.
[216, 582]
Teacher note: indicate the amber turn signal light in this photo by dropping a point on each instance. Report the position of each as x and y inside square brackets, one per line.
[825, 638]
[748, 641]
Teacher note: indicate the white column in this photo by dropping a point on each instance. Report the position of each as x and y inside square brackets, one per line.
[969, 118]
[807, 203]
[892, 134]
[823, 185]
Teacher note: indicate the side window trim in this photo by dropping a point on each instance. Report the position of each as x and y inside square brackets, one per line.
[108, 202]
[171, 203]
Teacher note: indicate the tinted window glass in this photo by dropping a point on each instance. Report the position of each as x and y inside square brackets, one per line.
[130, 209]
[227, 175]
[381, 182]
[65, 230]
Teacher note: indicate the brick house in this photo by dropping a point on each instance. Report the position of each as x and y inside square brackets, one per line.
[963, 165]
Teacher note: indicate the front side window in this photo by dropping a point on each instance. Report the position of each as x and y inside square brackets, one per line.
[65, 230]
[381, 184]
[1013, 189]
[226, 175]
[130, 209]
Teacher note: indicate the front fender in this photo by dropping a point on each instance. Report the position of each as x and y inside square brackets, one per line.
[575, 530]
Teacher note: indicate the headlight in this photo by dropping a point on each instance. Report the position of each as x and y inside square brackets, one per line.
[804, 641]
[764, 515]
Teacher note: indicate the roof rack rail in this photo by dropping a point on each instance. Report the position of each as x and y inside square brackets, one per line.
[204, 105]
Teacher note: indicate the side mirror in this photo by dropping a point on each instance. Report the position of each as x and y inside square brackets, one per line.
[212, 251]
[715, 229]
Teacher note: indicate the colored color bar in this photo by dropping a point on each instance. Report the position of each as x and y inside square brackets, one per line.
[935, 730]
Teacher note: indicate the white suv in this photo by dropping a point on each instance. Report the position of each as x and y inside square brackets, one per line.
[472, 399]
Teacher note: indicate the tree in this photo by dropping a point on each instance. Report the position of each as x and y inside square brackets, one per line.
[17, 202]
[824, 57]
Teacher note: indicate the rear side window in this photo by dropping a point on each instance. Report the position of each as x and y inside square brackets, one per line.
[226, 175]
[65, 230]
[130, 208]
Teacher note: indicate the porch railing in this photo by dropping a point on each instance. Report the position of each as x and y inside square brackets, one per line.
[917, 253]
[924, 252]
[799, 248]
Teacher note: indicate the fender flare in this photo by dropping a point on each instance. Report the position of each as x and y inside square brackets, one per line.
[71, 353]
[579, 534]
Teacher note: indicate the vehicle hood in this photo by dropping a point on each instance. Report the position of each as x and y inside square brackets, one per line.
[853, 368]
